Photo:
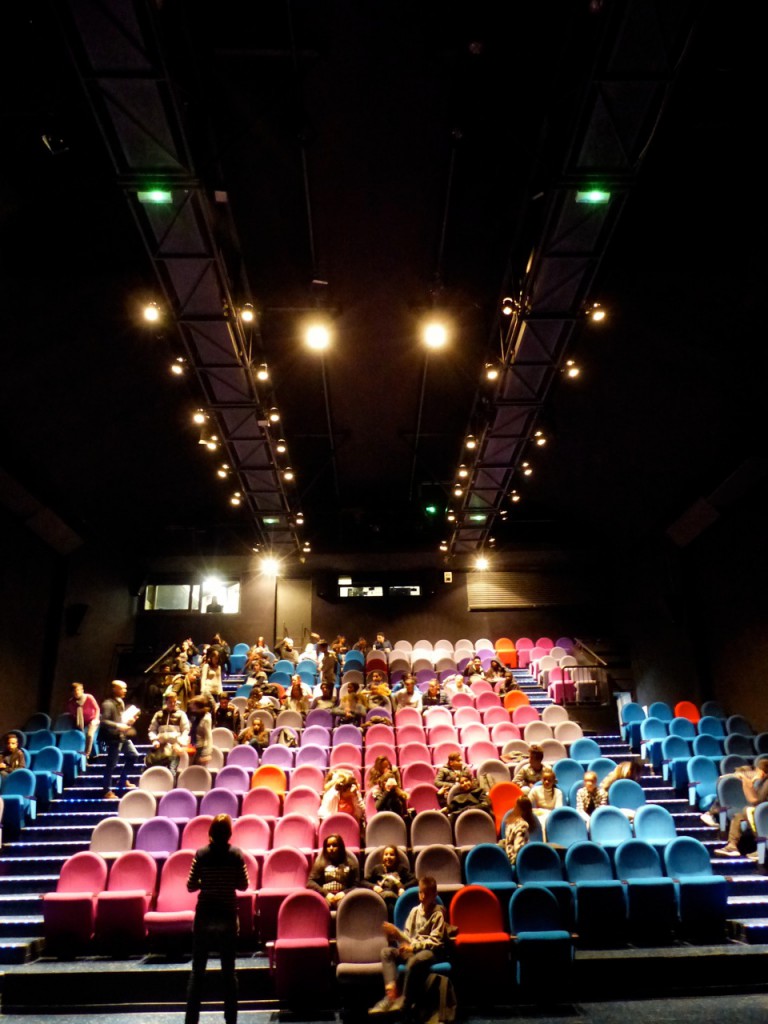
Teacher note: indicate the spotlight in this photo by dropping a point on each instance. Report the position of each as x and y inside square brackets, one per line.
[451, 516]
[457, 491]
[527, 469]
[223, 471]
[508, 306]
[571, 369]
[288, 474]
[435, 335]
[471, 442]
[179, 366]
[151, 312]
[236, 499]
[199, 417]
[539, 438]
[274, 415]
[514, 496]
[247, 313]
[281, 447]
[596, 313]
[317, 337]
[262, 373]
[270, 566]
[306, 547]
[212, 443]
[491, 371]
[463, 472]
[155, 196]
[299, 518]
[444, 545]
[593, 197]
[481, 563]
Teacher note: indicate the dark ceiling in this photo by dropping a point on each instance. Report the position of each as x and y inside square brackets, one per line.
[379, 161]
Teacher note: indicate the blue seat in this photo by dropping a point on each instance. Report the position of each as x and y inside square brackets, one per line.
[702, 895]
[609, 827]
[652, 731]
[632, 715]
[19, 804]
[602, 766]
[39, 720]
[64, 722]
[285, 666]
[730, 798]
[710, 725]
[706, 745]
[403, 906]
[738, 724]
[660, 709]
[540, 863]
[702, 781]
[627, 794]
[682, 727]
[487, 864]
[600, 899]
[761, 831]
[48, 766]
[761, 743]
[565, 826]
[713, 708]
[542, 945]
[655, 825]
[40, 738]
[237, 658]
[584, 751]
[72, 746]
[651, 895]
[568, 771]
[675, 754]
[735, 743]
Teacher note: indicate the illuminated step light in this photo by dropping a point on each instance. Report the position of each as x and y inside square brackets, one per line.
[471, 442]
[571, 369]
[306, 548]
[458, 490]
[527, 468]
[596, 313]
[463, 472]
[179, 366]
[508, 306]
[223, 471]
[299, 518]
[155, 196]
[199, 417]
[288, 474]
[593, 197]
[274, 415]
[444, 546]
[539, 438]
[514, 496]
[451, 516]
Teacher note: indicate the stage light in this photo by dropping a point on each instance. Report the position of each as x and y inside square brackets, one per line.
[247, 313]
[317, 337]
[151, 312]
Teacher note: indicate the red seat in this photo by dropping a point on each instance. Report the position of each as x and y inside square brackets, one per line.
[121, 907]
[69, 913]
[301, 960]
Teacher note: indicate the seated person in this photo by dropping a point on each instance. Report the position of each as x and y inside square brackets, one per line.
[297, 698]
[408, 696]
[434, 697]
[468, 795]
[521, 827]
[381, 643]
[456, 684]
[495, 672]
[448, 775]
[546, 796]
[334, 872]
[377, 695]
[258, 700]
[529, 772]
[474, 669]
[350, 710]
[169, 734]
[342, 794]
[389, 876]
[420, 944]
[12, 757]
[509, 684]
[590, 796]
[624, 770]
[226, 716]
[256, 735]
[384, 785]
[326, 698]
[361, 644]
[754, 781]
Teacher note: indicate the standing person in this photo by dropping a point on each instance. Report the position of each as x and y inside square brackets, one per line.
[84, 708]
[117, 733]
[217, 872]
[418, 946]
[200, 729]
[210, 681]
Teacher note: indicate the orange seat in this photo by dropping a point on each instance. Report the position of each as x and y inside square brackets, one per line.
[272, 777]
[503, 797]
[515, 699]
[687, 709]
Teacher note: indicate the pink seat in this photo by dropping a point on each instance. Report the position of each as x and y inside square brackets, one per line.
[413, 752]
[523, 647]
[438, 714]
[465, 716]
[297, 831]
[479, 687]
[443, 733]
[407, 716]
[524, 715]
[343, 825]
[375, 750]
[312, 753]
[121, 907]
[481, 750]
[410, 734]
[246, 898]
[265, 803]
[442, 751]
[285, 871]
[545, 643]
[301, 960]
[493, 715]
[346, 754]
[487, 700]
[462, 699]
[423, 797]
[380, 733]
[252, 834]
[171, 920]
[69, 913]
[502, 732]
[195, 834]
[302, 800]
[474, 732]
[417, 772]
[307, 775]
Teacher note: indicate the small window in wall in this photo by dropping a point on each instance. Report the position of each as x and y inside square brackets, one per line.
[213, 595]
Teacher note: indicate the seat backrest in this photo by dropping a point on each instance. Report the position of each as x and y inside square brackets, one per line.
[533, 908]
[487, 863]
[474, 826]
[359, 920]
[49, 759]
[245, 756]
[602, 766]
[296, 830]
[111, 835]
[72, 740]
[654, 824]
[304, 915]
[20, 782]
[156, 779]
[418, 772]
[442, 862]
[568, 772]
[714, 708]
[739, 743]
[157, 835]
[568, 732]
[554, 714]
[609, 826]
[476, 910]
[195, 832]
[673, 747]
[251, 833]
[233, 777]
[302, 800]
[385, 828]
[585, 750]
[195, 778]
[263, 801]
[137, 805]
[739, 724]
[341, 824]
[270, 776]
[223, 738]
[423, 797]
[626, 793]
[430, 827]
[525, 715]
[588, 862]
[660, 709]
[348, 754]
[220, 801]
[134, 869]
[707, 746]
[503, 797]
[711, 725]
[637, 859]
[686, 856]
[172, 894]
[308, 775]
[687, 709]
[653, 728]
[40, 738]
[37, 721]
[83, 872]
[565, 826]
[178, 803]
[538, 862]
[285, 868]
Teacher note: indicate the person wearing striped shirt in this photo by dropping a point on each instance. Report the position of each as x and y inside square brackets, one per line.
[217, 872]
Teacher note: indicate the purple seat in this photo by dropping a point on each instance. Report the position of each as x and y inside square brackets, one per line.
[302, 959]
[312, 754]
[220, 801]
[318, 735]
[279, 755]
[319, 716]
[179, 805]
[69, 913]
[347, 734]
[244, 756]
[233, 777]
[121, 907]
[158, 836]
[171, 920]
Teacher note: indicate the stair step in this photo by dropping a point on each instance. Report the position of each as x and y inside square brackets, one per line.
[27, 883]
[56, 817]
[748, 907]
[57, 833]
[21, 904]
[753, 931]
[18, 926]
[20, 950]
[32, 851]
[37, 865]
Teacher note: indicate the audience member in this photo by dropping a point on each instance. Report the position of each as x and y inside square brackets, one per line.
[381, 643]
[286, 651]
[210, 680]
[334, 872]
[297, 698]
[468, 795]
[521, 827]
[546, 796]
[408, 696]
[84, 709]
[342, 794]
[226, 715]
[201, 729]
[755, 785]
[448, 775]
[590, 796]
[361, 645]
[389, 876]
[117, 732]
[385, 787]
[624, 770]
[326, 699]
[434, 697]
[529, 772]
[13, 756]
[169, 735]
[255, 734]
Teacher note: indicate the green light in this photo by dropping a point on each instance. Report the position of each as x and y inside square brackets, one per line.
[593, 196]
[155, 196]
[270, 521]
[477, 518]
[431, 510]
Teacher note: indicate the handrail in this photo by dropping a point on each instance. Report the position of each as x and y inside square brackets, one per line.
[590, 652]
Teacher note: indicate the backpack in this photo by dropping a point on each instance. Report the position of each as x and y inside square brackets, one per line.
[438, 1002]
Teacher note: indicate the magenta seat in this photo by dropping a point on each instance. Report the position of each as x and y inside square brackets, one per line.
[122, 906]
[307, 775]
[171, 920]
[340, 824]
[69, 913]
[246, 898]
[301, 961]
[285, 871]
[297, 831]
[302, 800]
[195, 834]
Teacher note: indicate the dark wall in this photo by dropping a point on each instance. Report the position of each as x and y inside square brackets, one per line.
[29, 596]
